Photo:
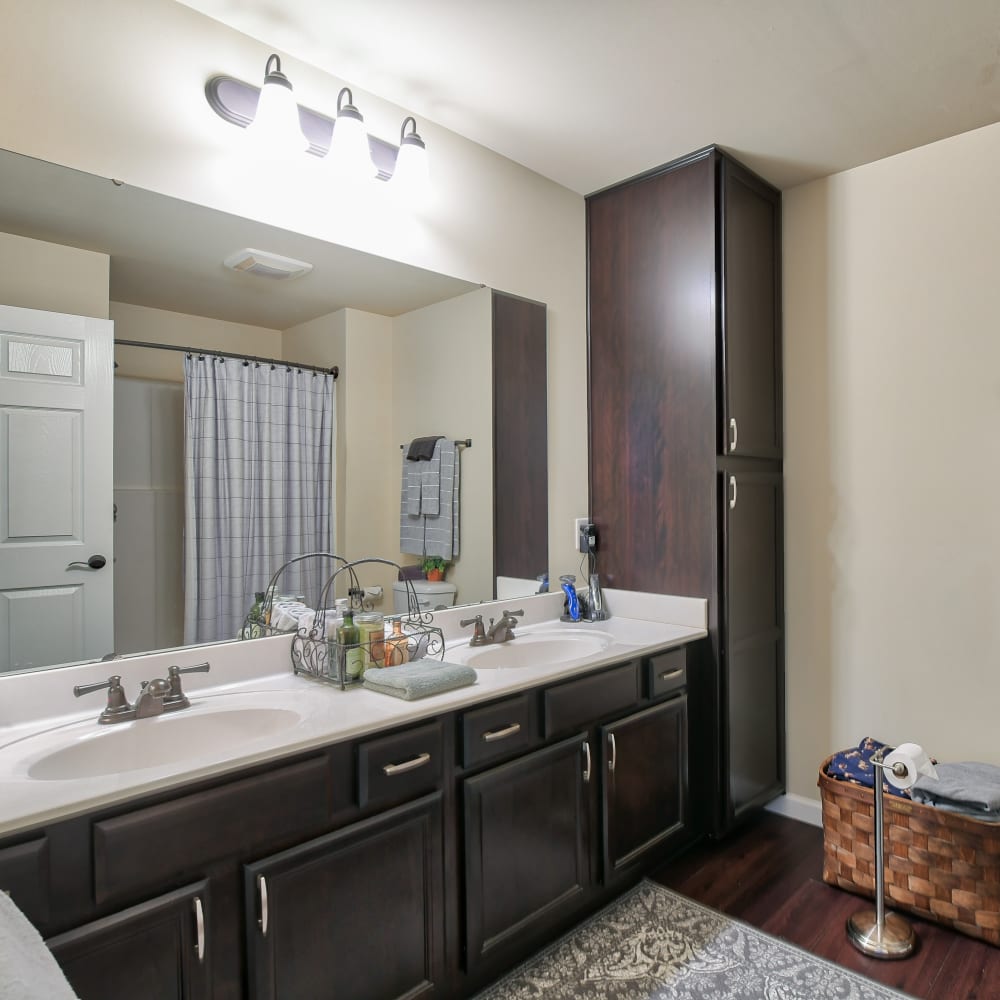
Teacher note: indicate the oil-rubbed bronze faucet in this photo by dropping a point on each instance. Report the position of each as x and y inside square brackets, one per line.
[501, 630]
[155, 697]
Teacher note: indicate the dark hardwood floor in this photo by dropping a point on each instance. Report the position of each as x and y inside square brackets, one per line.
[769, 874]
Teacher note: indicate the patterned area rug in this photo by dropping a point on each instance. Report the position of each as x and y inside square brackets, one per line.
[652, 944]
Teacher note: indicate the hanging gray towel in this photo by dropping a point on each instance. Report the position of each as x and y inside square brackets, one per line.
[422, 449]
[27, 969]
[422, 533]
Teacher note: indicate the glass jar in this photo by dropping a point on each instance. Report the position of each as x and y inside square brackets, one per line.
[371, 635]
[397, 646]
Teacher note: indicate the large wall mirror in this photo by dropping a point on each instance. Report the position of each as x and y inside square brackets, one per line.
[420, 354]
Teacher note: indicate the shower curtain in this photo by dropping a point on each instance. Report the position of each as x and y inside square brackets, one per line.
[258, 455]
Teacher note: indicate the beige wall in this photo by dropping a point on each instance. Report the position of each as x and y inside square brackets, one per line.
[158, 326]
[489, 220]
[892, 399]
[443, 384]
[37, 275]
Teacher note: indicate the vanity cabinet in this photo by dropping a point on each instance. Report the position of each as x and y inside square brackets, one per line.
[357, 913]
[685, 396]
[645, 783]
[156, 950]
[528, 844]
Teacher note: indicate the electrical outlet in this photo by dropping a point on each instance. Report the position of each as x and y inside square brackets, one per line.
[586, 535]
[579, 523]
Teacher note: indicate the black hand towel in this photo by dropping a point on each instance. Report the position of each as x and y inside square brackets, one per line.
[422, 449]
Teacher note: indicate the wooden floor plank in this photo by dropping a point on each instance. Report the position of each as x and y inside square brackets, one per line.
[769, 874]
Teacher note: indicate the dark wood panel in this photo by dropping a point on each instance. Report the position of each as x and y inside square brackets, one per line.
[496, 731]
[414, 759]
[147, 951]
[527, 846]
[751, 341]
[646, 792]
[520, 438]
[582, 702]
[24, 876]
[652, 380]
[166, 844]
[357, 913]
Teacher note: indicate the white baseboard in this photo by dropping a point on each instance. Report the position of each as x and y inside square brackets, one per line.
[798, 807]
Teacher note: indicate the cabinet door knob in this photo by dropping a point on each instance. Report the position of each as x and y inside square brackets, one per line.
[613, 757]
[732, 499]
[586, 766]
[734, 434]
[199, 924]
[262, 889]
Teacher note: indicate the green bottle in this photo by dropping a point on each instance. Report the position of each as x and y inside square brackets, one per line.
[252, 629]
[351, 657]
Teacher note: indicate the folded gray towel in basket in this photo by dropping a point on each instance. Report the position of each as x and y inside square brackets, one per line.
[419, 680]
[968, 787]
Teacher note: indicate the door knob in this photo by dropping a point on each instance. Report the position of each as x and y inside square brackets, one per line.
[94, 562]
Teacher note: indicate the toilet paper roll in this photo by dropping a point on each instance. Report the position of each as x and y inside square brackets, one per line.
[915, 762]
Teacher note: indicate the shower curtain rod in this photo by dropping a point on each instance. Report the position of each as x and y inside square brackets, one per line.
[246, 358]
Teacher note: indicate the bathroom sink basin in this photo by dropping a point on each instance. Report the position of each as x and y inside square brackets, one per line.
[545, 648]
[90, 751]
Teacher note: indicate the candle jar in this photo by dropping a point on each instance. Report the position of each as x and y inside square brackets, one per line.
[371, 631]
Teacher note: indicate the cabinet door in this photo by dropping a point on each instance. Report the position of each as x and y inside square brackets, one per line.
[357, 913]
[751, 338]
[752, 647]
[527, 844]
[645, 782]
[157, 951]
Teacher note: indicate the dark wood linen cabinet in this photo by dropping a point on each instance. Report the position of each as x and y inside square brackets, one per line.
[685, 421]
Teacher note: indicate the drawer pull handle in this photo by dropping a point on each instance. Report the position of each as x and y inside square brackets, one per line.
[586, 769]
[671, 674]
[732, 499]
[262, 889]
[407, 765]
[502, 734]
[734, 434]
[199, 923]
[613, 759]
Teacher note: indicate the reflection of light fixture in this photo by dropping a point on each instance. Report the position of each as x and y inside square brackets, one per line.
[410, 174]
[349, 155]
[241, 103]
[264, 264]
[275, 124]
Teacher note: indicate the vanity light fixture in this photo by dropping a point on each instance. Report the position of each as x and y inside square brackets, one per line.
[349, 153]
[410, 175]
[275, 125]
[238, 102]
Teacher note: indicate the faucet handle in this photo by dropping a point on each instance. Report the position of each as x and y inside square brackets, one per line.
[117, 705]
[175, 697]
[512, 614]
[478, 634]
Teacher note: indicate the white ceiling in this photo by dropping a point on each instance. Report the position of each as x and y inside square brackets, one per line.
[589, 92]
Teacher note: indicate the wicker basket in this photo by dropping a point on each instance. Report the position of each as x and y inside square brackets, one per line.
[939, 865]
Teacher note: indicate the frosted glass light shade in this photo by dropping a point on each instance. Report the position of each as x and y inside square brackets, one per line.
[349, 156]
[275, 128]
[411, 177]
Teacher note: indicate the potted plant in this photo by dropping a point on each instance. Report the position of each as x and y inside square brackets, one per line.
[434, 567]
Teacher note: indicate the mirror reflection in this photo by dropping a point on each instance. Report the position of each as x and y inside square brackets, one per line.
[415, 351]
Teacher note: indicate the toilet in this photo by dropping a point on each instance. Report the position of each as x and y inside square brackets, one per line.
[431, 595]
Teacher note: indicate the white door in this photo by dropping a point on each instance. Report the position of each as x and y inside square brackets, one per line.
[56, 505]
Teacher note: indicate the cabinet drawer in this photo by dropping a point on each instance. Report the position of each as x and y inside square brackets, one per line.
[400, 765]
[666, 672]
[494, 731]
[24, 875]
[159, 845]
[577, 704]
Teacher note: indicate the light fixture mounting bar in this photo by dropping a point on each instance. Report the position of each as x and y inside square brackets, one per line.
[236, 102]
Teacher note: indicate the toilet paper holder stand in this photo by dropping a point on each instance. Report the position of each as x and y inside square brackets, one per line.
[875, 932]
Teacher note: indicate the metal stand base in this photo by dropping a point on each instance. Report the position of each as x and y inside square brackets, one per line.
[895, 939]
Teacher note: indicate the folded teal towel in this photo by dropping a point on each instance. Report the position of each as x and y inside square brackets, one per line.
[418, 680]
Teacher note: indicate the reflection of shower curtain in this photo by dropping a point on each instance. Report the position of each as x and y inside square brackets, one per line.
[258, 462]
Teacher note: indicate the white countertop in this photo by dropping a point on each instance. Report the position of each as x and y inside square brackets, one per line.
[40, 715]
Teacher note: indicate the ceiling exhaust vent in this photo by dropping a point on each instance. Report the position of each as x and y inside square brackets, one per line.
[263, 264]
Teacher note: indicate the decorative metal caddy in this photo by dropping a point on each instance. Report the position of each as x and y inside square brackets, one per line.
[319, 655]
[254, 626]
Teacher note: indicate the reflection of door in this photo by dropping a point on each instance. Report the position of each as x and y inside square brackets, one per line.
[55, 487]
